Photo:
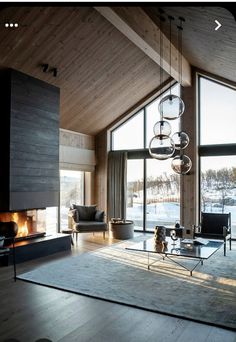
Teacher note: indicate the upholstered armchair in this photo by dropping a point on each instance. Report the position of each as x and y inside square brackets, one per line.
[86, 219]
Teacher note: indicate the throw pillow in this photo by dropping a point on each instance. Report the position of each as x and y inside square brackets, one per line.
[74, 213]
[99, 216]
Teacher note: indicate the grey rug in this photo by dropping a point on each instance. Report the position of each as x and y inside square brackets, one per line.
[121, 276]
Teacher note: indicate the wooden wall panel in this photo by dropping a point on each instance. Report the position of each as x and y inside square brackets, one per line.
[100, 183]
[189, 182]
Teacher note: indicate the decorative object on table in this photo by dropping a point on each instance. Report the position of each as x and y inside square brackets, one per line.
[171, 107]
[173, 236]
[177, 224]
[161, 246]
[117, 220]
[196, 229]
[188, 233]
[187, 244]
[159, 234]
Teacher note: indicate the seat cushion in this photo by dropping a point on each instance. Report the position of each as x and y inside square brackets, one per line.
[86, 212]
[91, 226]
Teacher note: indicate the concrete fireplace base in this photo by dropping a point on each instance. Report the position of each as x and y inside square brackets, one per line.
[40, 247]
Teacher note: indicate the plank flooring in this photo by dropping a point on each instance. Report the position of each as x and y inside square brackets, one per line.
[31, 312]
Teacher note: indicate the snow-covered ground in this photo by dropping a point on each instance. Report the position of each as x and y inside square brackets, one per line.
[166, 213]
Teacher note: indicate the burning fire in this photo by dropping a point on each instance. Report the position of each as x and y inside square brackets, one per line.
[22, 228]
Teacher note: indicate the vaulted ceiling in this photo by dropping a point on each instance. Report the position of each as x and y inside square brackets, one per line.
[101, 72]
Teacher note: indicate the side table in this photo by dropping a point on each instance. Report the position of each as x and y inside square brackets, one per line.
[122, 230]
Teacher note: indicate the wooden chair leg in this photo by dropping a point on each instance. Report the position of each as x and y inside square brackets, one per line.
[225, 247]
[72, 241]
[230, 243]
[104, 235]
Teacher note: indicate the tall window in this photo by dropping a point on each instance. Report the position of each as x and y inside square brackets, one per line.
[217, 148]
[135, 192]
[71, 191]
[153, 190]
[162, 194]
[124, 137]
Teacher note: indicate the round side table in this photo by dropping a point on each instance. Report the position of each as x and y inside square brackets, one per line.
[122, 230]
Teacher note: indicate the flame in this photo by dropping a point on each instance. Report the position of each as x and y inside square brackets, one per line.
[22, 228]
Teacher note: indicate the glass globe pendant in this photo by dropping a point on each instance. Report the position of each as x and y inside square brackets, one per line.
[161, 147]
[181, 164]
[171, 107]
[181, 140]
[162, 129]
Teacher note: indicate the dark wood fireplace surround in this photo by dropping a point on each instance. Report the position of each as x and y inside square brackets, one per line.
[29, 150]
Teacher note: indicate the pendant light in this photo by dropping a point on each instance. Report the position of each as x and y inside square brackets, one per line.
[180, 139]
[181, 163]
[171, 107]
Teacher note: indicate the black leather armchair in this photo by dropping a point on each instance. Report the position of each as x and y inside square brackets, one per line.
[216, 226]
[86, 219]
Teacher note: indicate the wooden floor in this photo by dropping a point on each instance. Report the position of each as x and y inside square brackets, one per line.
[31, 312]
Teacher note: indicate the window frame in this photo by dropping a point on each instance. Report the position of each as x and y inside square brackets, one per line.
[144, 152]
[210, 150]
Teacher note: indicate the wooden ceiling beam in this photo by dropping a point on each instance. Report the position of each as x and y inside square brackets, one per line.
[138, 27]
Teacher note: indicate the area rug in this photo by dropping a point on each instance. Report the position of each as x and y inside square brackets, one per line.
[121, 276]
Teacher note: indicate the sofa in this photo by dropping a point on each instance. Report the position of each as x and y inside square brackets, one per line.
[87, 219]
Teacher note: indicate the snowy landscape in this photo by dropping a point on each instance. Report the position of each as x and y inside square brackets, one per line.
[166, 213]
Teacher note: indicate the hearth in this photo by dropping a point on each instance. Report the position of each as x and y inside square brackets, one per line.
[31, 223]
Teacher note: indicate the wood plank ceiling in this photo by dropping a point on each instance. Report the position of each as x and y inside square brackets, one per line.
[101, 73]
[203, 46]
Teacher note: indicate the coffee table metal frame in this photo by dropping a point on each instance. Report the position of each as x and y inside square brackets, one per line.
[198, 252]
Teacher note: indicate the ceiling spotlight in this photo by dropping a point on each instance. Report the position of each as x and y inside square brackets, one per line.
[54, 71]
[45, 67]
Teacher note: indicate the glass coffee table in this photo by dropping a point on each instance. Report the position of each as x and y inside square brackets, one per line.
[178, 249]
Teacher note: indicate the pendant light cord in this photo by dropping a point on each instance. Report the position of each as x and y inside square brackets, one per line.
[170, 35]
[180, 43]
[162, 19]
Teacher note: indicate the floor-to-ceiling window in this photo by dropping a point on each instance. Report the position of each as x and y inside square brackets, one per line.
[71, 192]
[162, 194]
[135, 192]
[153, 190]
[217, 150]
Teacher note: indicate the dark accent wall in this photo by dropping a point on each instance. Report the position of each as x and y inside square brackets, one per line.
[29, 150]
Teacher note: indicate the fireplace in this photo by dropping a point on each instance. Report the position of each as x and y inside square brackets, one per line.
[31, 223]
